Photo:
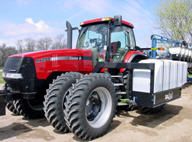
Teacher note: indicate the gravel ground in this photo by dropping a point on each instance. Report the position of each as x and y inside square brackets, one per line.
[173, 124]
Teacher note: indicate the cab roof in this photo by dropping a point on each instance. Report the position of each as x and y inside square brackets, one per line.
[105, 19]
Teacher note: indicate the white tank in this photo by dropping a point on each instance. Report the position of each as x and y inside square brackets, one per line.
[168, 75]
[173, 74]
[185, 66]
[180, 74]
[141, 80]
[141, 77]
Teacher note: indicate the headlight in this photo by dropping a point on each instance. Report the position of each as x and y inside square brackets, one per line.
[13, 75]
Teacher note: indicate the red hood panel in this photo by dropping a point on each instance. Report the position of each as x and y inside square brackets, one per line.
[60, 61]
[51, 53]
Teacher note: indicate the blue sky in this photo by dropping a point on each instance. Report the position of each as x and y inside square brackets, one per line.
[21, 19]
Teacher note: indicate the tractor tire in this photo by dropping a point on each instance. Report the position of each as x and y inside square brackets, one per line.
[29, 111]
[11, 107]
[91, 106]
[53, 104]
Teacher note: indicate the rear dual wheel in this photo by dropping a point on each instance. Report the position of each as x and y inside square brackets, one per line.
[53, 104]
[91, 106]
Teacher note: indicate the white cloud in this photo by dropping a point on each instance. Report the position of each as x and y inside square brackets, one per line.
[11, 32]
[28, 27]
[40, 26]
[131, 10]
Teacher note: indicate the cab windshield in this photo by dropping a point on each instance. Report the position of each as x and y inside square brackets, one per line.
[93, 36]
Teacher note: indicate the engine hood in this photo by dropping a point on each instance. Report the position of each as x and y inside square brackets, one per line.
[55, 53]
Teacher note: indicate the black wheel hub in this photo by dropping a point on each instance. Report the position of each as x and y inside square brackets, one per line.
[93, 106]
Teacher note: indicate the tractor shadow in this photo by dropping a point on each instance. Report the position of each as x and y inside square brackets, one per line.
[150, 120]
[187, 85]
[13, 130]
[154, 119]
[38, 122]
[20, 128]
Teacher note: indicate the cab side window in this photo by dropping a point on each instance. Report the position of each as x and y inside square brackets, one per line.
[120, 43]
[132, 40]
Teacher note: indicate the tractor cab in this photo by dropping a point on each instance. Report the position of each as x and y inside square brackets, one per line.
[109, 39]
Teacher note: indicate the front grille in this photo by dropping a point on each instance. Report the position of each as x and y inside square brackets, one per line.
[26, 67]
[12, 64]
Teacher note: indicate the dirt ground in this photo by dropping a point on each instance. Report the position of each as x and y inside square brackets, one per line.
[173, 124]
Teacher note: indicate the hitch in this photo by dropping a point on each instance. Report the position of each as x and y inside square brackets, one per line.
[2, 102]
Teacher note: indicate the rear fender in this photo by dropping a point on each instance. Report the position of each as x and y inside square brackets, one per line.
[133, 57]
[136, 58]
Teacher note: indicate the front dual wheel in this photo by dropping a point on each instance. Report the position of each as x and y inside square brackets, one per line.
[91, 106]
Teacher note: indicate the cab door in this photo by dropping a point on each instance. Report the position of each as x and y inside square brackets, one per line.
[122, 41]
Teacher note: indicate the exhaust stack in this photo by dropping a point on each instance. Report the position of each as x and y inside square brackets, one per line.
[69, 34]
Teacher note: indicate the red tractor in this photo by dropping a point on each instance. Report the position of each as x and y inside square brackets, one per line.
[79, 89]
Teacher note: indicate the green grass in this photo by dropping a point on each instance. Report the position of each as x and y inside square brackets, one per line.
[1, 79]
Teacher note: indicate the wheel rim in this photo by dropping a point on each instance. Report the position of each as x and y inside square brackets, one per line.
[98, 107]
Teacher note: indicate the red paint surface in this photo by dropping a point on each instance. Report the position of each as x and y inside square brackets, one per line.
[44, 69]
[128, 56]
[98, 20]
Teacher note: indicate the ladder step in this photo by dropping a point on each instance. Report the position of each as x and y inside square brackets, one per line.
[118, 84]
[116, 76]
[122, 104]
[121, 93]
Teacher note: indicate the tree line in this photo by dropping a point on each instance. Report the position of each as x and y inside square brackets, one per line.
[30, 45]
[175, 19]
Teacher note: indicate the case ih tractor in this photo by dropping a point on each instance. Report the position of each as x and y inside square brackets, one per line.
[86, 83]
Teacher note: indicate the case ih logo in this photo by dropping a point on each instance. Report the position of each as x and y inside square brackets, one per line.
[63, 58]
[169, 96]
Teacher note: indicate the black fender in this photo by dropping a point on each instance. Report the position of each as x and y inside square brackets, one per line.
[135, 58]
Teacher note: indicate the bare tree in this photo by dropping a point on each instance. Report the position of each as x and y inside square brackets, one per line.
[59, 42]
[44, 43]
[6, 51]
[30, 44]
[1, 58]
[20, 46]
